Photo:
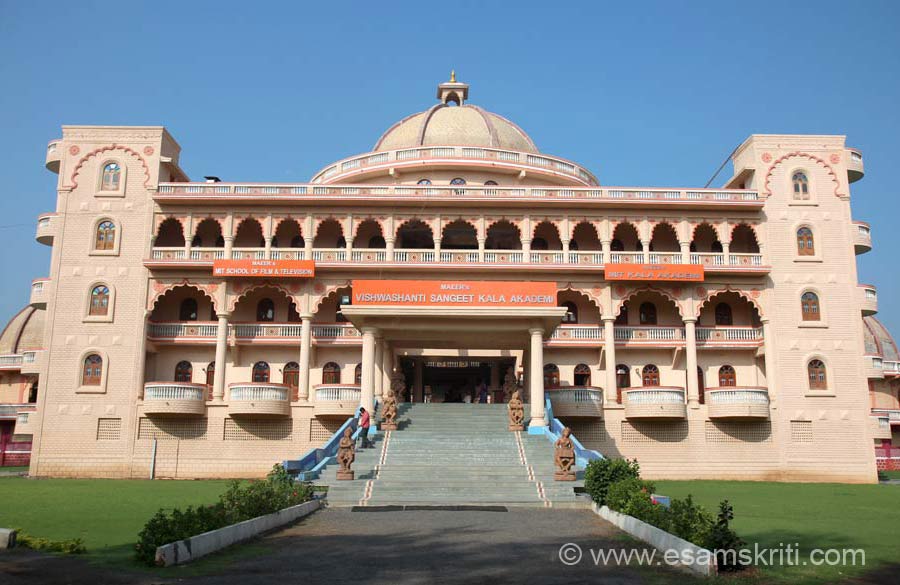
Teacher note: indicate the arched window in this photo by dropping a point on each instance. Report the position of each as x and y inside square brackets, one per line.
[650, 375]
[331, 373]
[290, 377]
[622, 317]
[184, 372]
[648, 314]
[92, 370]
[188, 310]
[817, 377]
[106, 236]
[99, 300]
[261, 372]
[357, 374]
[805, 245]
[112, 175]
[623, 380]
[571, 315]
[582, 375]
[801, 185]
[490, 183]
[551, 376]
[424, 182]
[724, 315]
[210, 379]
[809, 304]
[458, 181]
[727, 376]
[265, 310]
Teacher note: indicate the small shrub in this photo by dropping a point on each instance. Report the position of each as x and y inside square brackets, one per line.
[72, 546]
[689, 521]
[632, 496]
[601, 473]
[724, 540]
[240, 501]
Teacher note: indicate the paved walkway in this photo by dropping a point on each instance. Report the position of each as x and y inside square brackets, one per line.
[338, 546]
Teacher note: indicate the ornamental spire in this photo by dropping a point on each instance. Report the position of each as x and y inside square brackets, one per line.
[453, 91]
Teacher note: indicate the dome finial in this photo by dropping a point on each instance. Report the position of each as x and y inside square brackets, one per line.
[453, 91]
[453, 76]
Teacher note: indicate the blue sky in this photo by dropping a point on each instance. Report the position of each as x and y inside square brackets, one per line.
[642, 93]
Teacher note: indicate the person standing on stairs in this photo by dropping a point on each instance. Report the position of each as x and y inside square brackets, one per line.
[364, 424]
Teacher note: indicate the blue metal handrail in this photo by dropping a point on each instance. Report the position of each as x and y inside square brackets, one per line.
[554, 430]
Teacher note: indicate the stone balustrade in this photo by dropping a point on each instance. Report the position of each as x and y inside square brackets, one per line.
[576, 401]
[655, 402]
[259, 399]
[738, 402]
[175, 398]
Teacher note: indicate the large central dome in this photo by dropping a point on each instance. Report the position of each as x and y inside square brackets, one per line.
[446, 124]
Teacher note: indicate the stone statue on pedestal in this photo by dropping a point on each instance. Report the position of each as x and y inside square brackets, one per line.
[564, 457]
[510, 384]
[516, 410]
[389, 412]
[346, 455]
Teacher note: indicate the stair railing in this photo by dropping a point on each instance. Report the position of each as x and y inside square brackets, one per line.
[554, 430]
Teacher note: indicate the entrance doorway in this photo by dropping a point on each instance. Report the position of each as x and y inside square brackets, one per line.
[455, 379]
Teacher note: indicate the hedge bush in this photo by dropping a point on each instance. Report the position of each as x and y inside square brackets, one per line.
[601, 473]
[71, 546]
[241, 501]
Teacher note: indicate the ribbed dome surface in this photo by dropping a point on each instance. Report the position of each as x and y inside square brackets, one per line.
[446, 125]
[24, 331]
[879, 340]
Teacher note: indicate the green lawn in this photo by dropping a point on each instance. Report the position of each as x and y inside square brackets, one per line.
[813, 515]
[16, 468]
[107, 514]
[890, 474]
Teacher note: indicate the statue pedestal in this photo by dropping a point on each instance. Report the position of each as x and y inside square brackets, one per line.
[345, 475]
[386, 426]
[564, 476]
[516, 427]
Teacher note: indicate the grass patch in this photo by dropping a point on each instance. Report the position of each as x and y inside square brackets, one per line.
[106, 514]
[814, 515]
[889, 474]
[15, 468]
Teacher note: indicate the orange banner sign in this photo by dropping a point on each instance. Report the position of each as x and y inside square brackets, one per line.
[264, 268]
[454, 293]
[678, 272]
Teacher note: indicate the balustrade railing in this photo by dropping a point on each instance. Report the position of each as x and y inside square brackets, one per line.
[586, 257]
[168, 253]
[460, 256]
[627, 257]
[655, 395]
[648, 334]
[891, 413]
[577, 332]
[207, 253]
[11, 360]
[737, 395]
[174, 391]
[665, 257]
[369, 255]
[330, 254]
[335, 331]
[248, 253]
[576, 395]
[257, 391]
[725, 334]
[337, 393]
[545, 257]
[414, 256]
[185, 329]
[255, 330]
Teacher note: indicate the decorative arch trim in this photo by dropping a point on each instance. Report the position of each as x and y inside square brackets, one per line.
[766, 182]
[160, 289]
[617, 305]
[706, 296]
[102, 149]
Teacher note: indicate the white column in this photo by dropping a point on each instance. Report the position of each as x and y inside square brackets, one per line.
[537, 380]
[726, 252]
[367, 394]
[268, 252]
[526, 250]
[769, 357]
[685, 252]
[389, 248]
[481, 242]
[606, 246]
[693, 388]
[221, 353]
[305, 344]
[229, 244]
[645, 246]
[565, 246]
[609, 341]
[379, 366]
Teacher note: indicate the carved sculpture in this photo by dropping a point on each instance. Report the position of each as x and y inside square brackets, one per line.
[516, 411]
[346, 455]
[510, 384]
[564, 457]
[398, 385]
[389, 412]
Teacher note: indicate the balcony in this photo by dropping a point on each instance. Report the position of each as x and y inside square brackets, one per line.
[654, 335]
[738, 402]
[46, 228]
[337, 399]
[881, 426]
[39, 292]
[855, 168]
[576, 401]
[336, 334]
[175, 399]
[54, 154]
[32, 361]
[874, 366]
[726, 337]
[258, 399]
[26, 420]
[862, 237]
[269, 333]
[868, 295]
[11, 362]
[892, 414]
[891, 368]
[576, 336]
[183, 332]
[655, 402]
[463, 196]
[11, 411]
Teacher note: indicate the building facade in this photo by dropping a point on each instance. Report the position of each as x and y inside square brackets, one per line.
[221, 327]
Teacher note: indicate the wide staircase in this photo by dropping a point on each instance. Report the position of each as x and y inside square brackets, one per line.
[453, 454]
